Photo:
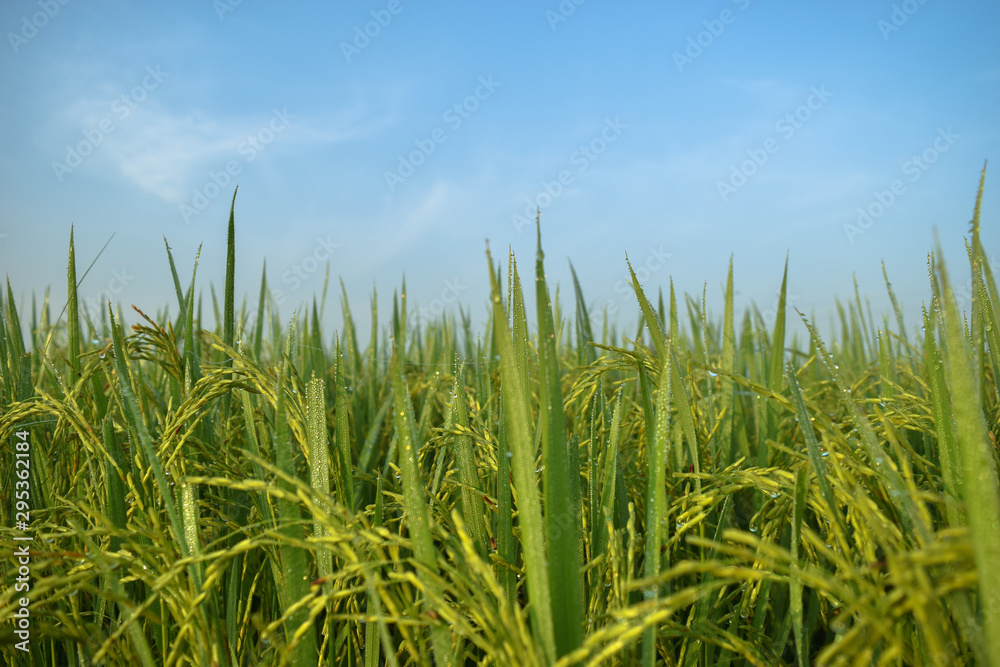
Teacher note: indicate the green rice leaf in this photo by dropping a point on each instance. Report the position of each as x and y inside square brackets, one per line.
[414, 503]
[300, 635]
[343, 434]
[980, 485]
[74, 307]
[529, 510]
[656, 503]
[562, 500]
[472, 498]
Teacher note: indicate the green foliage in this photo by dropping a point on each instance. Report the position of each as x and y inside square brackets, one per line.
[721, 496]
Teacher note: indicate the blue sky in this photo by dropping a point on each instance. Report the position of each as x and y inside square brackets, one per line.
[394, 138]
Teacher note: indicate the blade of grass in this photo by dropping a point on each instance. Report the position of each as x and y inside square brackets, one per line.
[258, 333]
[607, 505]
[343, 434]
[774, 376]
[229, 323]
[724, 451]
[319, 469]
[414, 503]
[947, 446]
[686, 418]
[978, 471]
[74, 308]
[656, 503]
[816, 457]
[795, 585]
[652, 322]
[472, 497]
[562, 501]
[585, 332]
[517, 415]
[506, 546]
[177, 282]
[192, 366]
[137, 428]
[16, 336]
[882, 464]
[319, 476]
[300, 635]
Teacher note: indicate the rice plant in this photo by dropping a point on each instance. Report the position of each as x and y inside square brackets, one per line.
[704, 492]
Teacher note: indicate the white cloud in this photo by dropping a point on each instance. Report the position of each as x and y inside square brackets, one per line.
[167, 153]
[161, 154]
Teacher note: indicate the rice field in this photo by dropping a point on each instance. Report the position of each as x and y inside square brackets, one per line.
[696, 489]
